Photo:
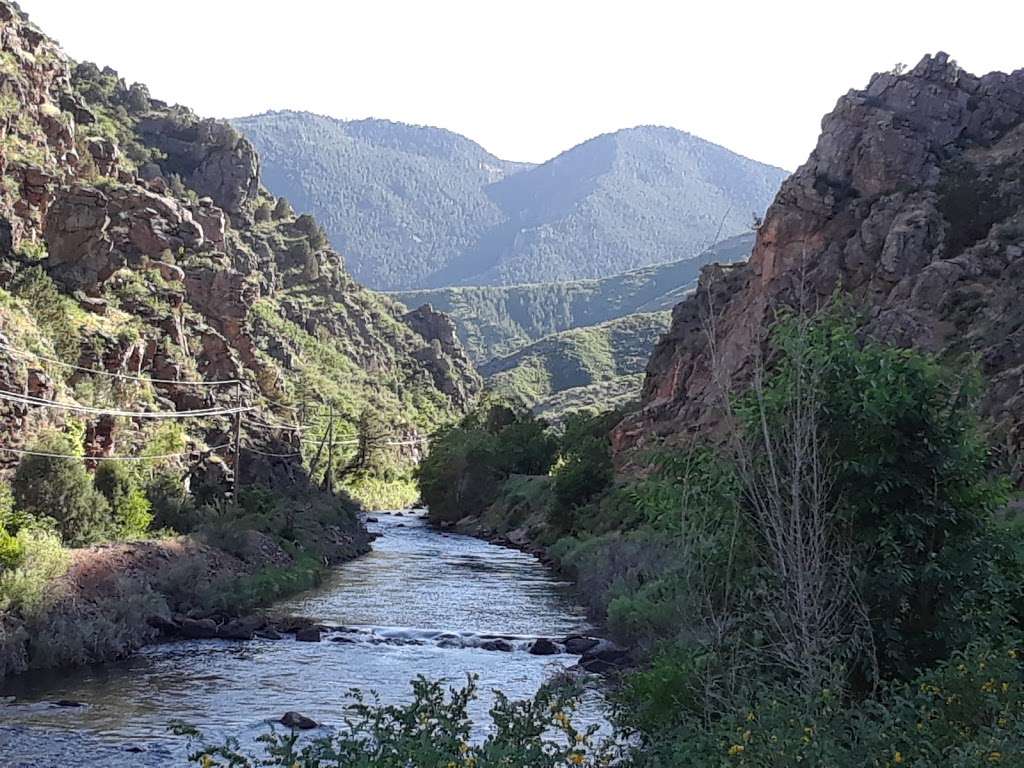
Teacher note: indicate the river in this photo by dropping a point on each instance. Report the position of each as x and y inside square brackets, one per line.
[419, 603]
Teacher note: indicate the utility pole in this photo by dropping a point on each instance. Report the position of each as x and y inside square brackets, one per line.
[238, 441]
[329, 475]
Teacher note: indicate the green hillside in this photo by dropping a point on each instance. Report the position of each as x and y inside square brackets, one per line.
[497, 320]
[417, 207]
[597, 365]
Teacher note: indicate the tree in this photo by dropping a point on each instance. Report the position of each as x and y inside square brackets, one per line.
[586, 468]
[62, 490]
[130, 509]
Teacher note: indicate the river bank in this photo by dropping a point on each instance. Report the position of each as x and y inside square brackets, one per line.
[114, 599]
[421, 602]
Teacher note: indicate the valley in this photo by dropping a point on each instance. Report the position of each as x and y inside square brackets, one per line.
[334, 442]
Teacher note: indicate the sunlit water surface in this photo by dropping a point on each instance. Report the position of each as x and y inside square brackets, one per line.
[419, 602]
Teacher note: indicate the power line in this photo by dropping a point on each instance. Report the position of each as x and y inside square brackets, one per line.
[267, 453]
[98, 372]
[36, 401]
[22, 452]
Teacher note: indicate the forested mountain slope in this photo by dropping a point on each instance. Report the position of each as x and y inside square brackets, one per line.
[494, 321]
[416, 207]
[594, 366]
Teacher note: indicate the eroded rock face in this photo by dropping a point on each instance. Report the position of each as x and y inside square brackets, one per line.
[912, 203]
[91, 233]
[443, 355]
[210, 156]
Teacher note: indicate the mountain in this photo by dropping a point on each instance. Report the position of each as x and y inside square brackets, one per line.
[599, 365]
[496, 320]
[136, 239]
[912, 204]
[416, 207]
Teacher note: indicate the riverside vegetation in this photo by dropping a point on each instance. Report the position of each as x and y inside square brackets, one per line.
[837, 582]
[149, 284]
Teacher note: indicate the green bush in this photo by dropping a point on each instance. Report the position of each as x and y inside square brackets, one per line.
[459, 476]
[130, 509]
[586, 468]
[432, 731]
[912, 474]
[172, 506]
[41, 559]
[61, 490]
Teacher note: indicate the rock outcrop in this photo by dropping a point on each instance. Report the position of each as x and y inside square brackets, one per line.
[145, 231]
[912, 203]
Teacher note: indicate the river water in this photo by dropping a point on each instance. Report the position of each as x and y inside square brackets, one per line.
[418, 604]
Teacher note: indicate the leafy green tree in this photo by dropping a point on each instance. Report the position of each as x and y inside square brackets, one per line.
[62, 490]
[129, 506]
[911, 474]
[586, 468]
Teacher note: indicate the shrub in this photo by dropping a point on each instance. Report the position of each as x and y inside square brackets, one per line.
[171, 504]
[41, 560]
[586, 468]
[459, 476]
[434, 730]
[130, 509]
[911, 476]
[61, 490]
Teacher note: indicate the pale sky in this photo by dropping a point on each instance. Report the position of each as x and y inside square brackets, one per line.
[530, 78]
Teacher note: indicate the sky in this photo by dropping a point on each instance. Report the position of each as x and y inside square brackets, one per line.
[531, 78]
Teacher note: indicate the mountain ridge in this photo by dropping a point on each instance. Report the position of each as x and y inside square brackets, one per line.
[618, 201]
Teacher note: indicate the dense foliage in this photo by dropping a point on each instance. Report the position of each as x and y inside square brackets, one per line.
[855, 486]
[415, 207]
[469, 461]
[494, 321]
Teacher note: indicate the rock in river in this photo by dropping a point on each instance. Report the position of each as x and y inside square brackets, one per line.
[298, 721]
[543, 647]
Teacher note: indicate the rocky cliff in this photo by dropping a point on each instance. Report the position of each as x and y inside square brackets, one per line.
[912, 203]
[136, 238]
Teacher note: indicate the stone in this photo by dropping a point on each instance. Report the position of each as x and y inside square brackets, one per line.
[578, 644]
[308, 635]
[104, 154]
[543, 647]
[496, 645]
[298, 721]
[197, 629]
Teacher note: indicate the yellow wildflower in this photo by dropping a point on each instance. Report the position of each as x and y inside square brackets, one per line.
[897, 758]
[736, 749]
[206, 761]
[576, 758]
[995, 757]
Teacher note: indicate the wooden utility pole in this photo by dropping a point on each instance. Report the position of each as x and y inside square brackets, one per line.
[329, 475]
[238, 441]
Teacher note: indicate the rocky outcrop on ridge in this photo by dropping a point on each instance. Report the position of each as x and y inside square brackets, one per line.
[912, 203]
[136, 238]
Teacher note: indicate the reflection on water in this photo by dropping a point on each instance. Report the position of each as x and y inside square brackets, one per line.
[417, 605]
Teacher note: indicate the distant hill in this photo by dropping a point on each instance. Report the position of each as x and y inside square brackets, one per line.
[418, 207]
[601, 364]
[496, 320]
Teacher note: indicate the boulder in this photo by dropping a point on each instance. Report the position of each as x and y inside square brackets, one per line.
[297, 721]
[197, 629]
[578, 644]
[497, 645]
[308, 635]
[543, 647]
